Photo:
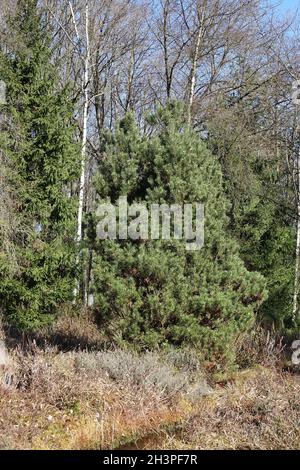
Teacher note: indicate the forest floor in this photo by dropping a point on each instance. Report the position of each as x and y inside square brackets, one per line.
[121, 400]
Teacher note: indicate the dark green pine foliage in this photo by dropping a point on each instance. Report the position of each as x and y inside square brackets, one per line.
[153, 293]
[261, 204]
[37, 138]
[267, 244]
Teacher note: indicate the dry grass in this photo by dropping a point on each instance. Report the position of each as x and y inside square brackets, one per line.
[73, 330]
[258, 409]
[118, 399]
[85, 400]
[261, 346]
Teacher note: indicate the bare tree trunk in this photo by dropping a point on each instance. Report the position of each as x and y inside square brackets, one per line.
[199, 37]
[297, 260]
[165, 45]
[128, 102]
[99, 98]
[90, 294]
[84, 140]
[100, 112]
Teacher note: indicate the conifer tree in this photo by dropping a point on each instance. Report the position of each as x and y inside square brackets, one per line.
[155, 292]
[262, 206]
[37, 138]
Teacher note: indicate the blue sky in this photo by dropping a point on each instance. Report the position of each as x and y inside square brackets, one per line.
[287, 5]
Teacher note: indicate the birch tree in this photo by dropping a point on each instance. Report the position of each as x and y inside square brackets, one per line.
[296, 101]
[79, 39]
[201, 13]
[85, 54]
[288, 58]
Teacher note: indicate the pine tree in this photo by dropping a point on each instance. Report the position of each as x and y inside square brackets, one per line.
[155, 292]
[38, 140]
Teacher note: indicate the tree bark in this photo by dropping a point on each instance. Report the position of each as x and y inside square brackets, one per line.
[297, 260]
[199, 37]
[84, 141]
[165, 44]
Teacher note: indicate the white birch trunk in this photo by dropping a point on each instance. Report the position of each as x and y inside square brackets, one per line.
[297, 260]
[194, 64]
[84, 141]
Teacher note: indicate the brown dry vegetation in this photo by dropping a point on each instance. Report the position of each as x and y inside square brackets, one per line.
[80, 400]
[118, 399]
[259, 409]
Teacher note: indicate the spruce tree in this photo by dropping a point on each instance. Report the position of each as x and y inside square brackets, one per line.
[155, 292]
[261, 201]
[37, 138]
